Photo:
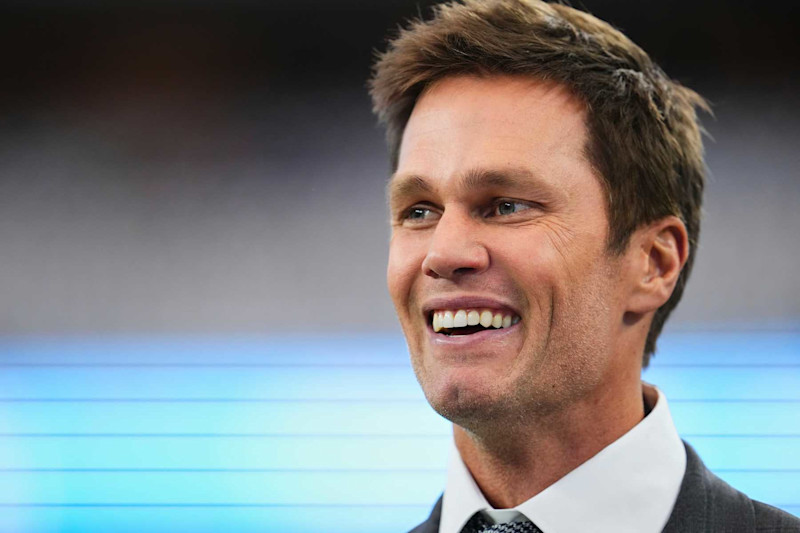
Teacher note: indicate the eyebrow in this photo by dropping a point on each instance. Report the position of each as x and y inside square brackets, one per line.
[487, 178]
[400, 186]
[409, 185]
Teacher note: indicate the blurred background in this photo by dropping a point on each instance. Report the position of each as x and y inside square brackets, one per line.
[194, 329]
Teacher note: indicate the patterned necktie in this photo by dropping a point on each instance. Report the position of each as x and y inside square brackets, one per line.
[479, 524]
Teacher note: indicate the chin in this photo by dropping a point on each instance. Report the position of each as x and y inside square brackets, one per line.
[464, 399]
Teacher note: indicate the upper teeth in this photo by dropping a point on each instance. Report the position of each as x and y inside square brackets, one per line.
[461, 318]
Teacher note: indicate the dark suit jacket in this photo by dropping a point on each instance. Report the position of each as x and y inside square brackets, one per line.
[705, 504]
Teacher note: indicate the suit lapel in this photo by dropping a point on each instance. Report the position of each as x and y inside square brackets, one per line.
[689, 513]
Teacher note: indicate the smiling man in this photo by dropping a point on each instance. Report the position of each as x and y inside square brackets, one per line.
[545, 209]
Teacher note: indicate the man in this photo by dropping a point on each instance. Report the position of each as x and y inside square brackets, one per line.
[545, 209]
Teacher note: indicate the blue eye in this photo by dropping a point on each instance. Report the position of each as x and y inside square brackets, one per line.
[509, 207]
[418, 213]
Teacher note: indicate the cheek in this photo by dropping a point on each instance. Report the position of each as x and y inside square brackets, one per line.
[401, 271]
[530, 258]
[585, 314]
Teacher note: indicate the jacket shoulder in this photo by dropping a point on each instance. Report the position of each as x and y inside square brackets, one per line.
[707, 503]
[431, 525]
[771, 519]
[763, 518]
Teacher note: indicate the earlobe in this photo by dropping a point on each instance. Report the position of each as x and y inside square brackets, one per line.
[662, 249]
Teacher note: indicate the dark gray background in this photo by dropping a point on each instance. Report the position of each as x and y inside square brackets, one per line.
[213, 167]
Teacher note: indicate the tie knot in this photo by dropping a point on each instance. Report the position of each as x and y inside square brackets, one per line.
[480, 524]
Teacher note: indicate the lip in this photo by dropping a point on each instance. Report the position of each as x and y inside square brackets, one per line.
[461, 342]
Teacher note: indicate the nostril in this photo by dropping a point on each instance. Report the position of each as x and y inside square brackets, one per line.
[448, 258]
[431, 272]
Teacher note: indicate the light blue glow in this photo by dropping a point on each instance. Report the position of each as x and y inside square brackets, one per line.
[319, 434]
[377, 519]
[312, 452]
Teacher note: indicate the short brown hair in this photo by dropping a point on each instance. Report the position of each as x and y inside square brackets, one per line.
[645, 140]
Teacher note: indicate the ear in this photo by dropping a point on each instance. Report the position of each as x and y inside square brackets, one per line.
[658, 253]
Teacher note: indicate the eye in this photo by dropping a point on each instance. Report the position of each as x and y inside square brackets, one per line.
[508, 207]
[418, 214]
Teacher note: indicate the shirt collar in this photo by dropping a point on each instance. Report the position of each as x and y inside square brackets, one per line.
[629, 486]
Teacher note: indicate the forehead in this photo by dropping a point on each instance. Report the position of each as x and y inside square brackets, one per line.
[495, 122]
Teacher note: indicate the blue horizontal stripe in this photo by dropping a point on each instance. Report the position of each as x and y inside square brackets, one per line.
[234, 470]
[356, 418]
[217, 505]
[206, 365]
[710, 346]
[261, 488]
[289, 488]
[396, 452]
[364, 365]
[202, 519]
[693, 418]
[338, 400]
[347, 383]
[300, 383]
[325, 435]
[233, 400]
[747, 452]
[299, 470]
[225, 350]
[224, 418]
[236, 505]
[223, 435]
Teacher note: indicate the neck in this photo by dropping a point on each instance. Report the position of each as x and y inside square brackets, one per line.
[512, 466]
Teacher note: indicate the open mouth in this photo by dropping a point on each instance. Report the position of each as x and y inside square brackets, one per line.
[469, 321]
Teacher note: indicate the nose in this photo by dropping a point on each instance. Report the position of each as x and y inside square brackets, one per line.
[455, 248]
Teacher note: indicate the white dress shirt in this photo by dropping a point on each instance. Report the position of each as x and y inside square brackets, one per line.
[630, 486]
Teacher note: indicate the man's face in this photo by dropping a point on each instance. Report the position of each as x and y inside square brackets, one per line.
[498, 216]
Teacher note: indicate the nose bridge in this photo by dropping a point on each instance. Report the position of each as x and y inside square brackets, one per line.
[455, 247]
